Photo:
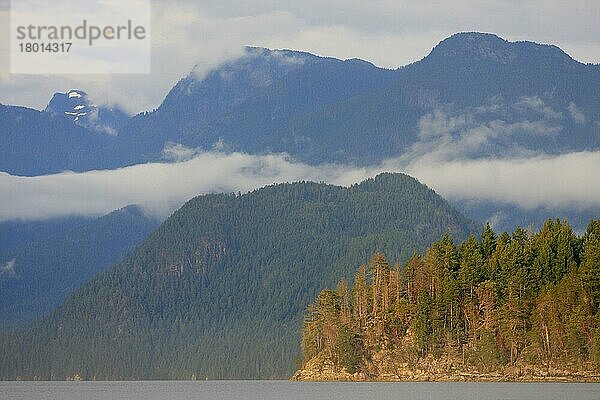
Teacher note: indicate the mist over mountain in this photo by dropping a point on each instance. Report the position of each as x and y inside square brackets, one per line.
[475, 97]
[243, 103]
[503, 97]
[508, 132]
[474, 89]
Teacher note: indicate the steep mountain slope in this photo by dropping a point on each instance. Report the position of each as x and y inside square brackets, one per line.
[15, 233]
[36, 277]
[236, 106]
[76, 106]
[219, 289]
[529, 97]
[34, 142]
[70, 134]
[242, 103]
[506, 96]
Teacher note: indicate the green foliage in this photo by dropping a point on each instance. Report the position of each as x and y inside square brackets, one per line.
[220, 288]
[521, 299]
[471, 271]
[423, 323]
[46, 271]
[595, 348]
[590, 268]
[483, 352]
[349, 351]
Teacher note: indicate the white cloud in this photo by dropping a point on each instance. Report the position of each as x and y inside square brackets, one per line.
[536, 104]
[566, 181]
[183, 38]
[178, 152]
[577, 115]
[563, 181]
[488, 130]
[159, 187]
[472, 154]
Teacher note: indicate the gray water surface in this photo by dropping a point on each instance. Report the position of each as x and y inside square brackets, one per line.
[268, 390]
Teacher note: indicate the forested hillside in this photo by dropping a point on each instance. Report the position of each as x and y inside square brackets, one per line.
[16, 233]
[242, 104]
[218, 291]
[520, 306]
[36, 276]
[303, 105]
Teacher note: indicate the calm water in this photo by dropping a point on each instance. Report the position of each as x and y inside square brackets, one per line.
[267, 390]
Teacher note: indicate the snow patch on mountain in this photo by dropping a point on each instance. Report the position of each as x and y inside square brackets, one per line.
[78, 107]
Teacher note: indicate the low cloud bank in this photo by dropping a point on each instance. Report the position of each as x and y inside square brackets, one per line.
[562, 181]
[566, 181]
[158, 187]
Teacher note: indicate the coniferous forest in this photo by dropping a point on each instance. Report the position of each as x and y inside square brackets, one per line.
[521, 305]
[219, 289]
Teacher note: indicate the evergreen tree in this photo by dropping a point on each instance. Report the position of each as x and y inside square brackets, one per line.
[590, 265]
[539, 306]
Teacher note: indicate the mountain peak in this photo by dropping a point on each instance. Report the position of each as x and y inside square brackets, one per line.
[75, 105]
[481, 37]
[492, 48]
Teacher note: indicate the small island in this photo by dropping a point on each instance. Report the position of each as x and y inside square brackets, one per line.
[519, 307]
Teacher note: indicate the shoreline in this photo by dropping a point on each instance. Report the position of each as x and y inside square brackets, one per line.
[489, 379]
[459, 379]
[322, 369]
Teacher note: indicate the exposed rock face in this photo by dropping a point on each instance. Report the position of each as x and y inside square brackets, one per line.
[76, 106]
[385, 366]
[323, 368]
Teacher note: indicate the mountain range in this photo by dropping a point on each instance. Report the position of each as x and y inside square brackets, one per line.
[535, 98]
[223, 281]
[474, 96]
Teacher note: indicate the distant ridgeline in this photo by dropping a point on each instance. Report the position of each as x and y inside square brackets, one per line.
[513, 307]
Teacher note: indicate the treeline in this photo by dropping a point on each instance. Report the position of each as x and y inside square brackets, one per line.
[508, 300]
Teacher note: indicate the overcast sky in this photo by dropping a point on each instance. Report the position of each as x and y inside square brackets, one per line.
[389, 33]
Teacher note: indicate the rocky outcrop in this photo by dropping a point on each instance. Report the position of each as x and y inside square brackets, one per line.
[385, 366]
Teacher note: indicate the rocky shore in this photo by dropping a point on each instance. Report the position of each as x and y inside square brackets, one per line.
[383, 368]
